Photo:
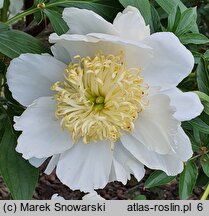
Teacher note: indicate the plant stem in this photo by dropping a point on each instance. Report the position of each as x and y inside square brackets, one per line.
[4, 11]
[206, 193]
[36, 9]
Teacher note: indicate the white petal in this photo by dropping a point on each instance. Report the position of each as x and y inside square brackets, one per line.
[52, 164]
[82, 21]
[187, 104]
[90, 45]
[184, 149]
[137, 54]
[77, 44]
[171, 164]
[31, 76]
[85, 166]
[42, 135]
[119, 40]
[57, 197]
[61, 54]
[92, 196]
[124, 164]
[156, 127]
[131, 24]
[172, 62]
[36, 162]
[118, 173]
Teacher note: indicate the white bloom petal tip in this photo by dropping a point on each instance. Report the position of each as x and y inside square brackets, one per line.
[187, 104]
[177, 63]
[137, 29]
[92, 196]
[57, 197]
[82, 21]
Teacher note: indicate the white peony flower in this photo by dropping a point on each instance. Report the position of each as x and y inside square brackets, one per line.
[106, 104]
[15, 7]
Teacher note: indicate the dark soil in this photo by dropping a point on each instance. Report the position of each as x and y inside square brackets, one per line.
[49, 185]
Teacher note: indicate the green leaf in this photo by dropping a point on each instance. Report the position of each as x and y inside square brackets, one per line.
[202, 179]
[203, 77]
[155, 19]
[193, 38]
[57, 22]
[187, 21]
[3, 26]
[187, 180]
[173, 19]
[14, 42]
[144, 8]
[106, 8]
[140, 197]
[204, 161]
[200, 125]
[157, 178]
[18, 174]
[169, 5]
[206, 55]
[205, 101]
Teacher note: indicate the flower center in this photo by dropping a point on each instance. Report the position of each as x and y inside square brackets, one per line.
[99, 98]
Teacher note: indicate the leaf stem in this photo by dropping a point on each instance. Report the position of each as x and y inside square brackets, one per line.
[4, 11]
[35, 9]
[206, 193]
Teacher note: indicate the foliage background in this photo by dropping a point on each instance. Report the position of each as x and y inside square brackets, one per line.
[188, 19]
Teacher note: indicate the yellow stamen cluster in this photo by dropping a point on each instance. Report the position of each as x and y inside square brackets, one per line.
[99, 98]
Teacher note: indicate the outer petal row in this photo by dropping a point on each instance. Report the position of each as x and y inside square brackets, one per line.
[171, 62]
[172, 164]
[41, 135]
[187, 104]
[31, 76]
